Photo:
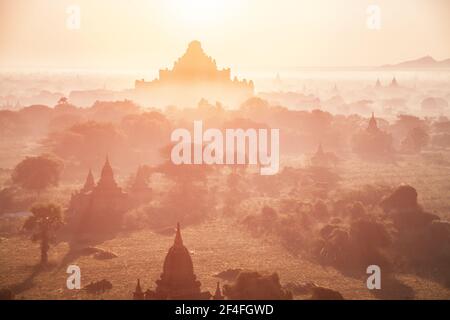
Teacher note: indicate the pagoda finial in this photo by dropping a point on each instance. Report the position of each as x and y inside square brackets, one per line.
[373, 127]
[107, 175]
[178, 240]
[138, 294]
[218, 294]
[89, 184]
[138, 286]
[107, 166]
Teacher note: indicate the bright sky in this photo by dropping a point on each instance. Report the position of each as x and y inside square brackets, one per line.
[139, 34]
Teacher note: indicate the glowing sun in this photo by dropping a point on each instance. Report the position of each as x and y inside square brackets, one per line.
[200, 12]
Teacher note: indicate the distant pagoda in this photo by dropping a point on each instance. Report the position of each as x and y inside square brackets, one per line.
[373, 143]
[373, 126]
[335, 90]
[194, 76]
[378, 84]
[394, 83]
[323, 159]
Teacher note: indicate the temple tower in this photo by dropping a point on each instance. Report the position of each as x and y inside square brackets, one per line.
[373, 127]
[378, 84]
[98, 208]
[89, 185]
[194, 76]
[394, 83]
[218, 294]
[178, 280]
[138, 293]
[107, 180]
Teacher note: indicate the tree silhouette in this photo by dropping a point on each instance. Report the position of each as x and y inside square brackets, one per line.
[46, 219]
[37, 173]
[63, 100]
[416, 140]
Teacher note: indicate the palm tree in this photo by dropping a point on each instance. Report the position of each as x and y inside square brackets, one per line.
[46, 219]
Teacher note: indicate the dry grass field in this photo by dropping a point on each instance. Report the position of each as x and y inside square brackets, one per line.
[215, 246]
[218, 244]
[431, 180]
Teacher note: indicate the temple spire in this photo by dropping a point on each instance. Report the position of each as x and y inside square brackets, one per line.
[394, 83]
[89, 184]
[178, 240]
[138, 286]
[138, 293]
[107, 170]
[378, 83]
[107, 176]
[335, 89]
[373, 127]
[107, 165]
[218, 294]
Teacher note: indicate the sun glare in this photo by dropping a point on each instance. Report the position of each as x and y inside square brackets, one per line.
[199, 12]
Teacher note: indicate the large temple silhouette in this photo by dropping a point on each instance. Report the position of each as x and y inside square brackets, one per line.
[178, 281]
[194, 76]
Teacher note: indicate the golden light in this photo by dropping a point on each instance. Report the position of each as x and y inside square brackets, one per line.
[199, 12]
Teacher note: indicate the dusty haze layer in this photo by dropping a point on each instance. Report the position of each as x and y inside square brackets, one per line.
[92, 94]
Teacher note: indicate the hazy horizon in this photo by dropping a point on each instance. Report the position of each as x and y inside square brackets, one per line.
[148, 34]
